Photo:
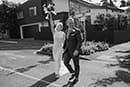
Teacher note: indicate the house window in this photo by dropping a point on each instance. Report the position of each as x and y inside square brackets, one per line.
[88, 11]
[32, 11]
[20, 15]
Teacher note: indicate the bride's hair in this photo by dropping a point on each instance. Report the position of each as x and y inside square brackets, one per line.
[59, 23]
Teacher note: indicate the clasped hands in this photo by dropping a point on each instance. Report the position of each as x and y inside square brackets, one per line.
[75, 53]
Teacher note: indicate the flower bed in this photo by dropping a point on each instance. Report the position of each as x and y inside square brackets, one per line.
[46, 49]
[92, 47]
[86, 49]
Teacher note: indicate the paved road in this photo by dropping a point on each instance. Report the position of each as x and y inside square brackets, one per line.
[23, 68]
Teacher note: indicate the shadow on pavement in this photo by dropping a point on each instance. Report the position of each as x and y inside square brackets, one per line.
[123, 62]
[84, 58]
[104, 82]
[22, 70]
[121, 76]
[46, 81]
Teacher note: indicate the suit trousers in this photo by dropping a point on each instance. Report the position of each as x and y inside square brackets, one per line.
[67, 57]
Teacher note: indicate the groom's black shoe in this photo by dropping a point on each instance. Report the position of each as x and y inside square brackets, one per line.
[75, 80]
[72, 77]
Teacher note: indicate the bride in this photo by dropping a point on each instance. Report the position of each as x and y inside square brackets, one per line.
[58, 38]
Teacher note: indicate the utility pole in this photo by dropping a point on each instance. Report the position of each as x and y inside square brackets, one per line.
[69, 8]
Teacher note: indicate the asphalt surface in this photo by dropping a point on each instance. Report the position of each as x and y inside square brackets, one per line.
[24, 68]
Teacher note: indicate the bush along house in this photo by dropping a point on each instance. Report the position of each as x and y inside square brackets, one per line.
[32, 22]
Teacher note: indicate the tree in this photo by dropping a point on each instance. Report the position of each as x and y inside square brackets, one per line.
[112, 22]
[124, 3]
[8, 16]
[107, 3]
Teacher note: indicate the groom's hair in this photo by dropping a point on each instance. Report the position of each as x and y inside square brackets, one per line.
[70, 20]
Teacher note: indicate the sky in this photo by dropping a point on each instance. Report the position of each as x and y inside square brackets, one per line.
[17, 1]
[94, 1]
[117, 3]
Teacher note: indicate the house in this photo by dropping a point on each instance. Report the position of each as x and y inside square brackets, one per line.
[88, 11]
[34, 25]
[128, 15]
[32, 22]
[31, 19]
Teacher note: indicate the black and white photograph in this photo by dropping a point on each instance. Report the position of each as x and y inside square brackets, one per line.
[64, 43]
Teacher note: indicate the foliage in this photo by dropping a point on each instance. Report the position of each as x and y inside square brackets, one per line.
[49, 9]
[108, 2]
[124, 3]
[86, 49]
[92, 47]
[8, 15]
[111, 22]
[45, 49]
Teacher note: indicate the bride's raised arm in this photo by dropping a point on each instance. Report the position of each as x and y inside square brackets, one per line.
[52, 24]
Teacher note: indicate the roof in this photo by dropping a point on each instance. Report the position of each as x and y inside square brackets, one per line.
[91, 5]
[124, 8]
[94, 6]
[112, 8]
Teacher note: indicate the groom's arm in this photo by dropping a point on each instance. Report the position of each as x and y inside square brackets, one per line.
[64, 45]
[65, 38]
[79, 43]
[79, 40]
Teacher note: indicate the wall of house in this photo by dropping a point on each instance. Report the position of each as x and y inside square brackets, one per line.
[61, 5]
[30, 25]
[31, 19]
[95, 12]
[79, 8]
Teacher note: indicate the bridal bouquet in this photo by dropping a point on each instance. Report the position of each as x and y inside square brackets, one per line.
[49, 9]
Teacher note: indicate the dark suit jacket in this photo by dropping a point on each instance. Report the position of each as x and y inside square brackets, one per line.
[74, 42]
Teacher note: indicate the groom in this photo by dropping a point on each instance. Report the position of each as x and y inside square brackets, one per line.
[71, 47]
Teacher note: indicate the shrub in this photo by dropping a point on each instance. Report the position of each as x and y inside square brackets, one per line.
[92, 47]
[112, 22]
[87, 48]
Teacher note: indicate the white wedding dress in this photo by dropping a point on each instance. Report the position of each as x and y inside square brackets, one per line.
[59, 38]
